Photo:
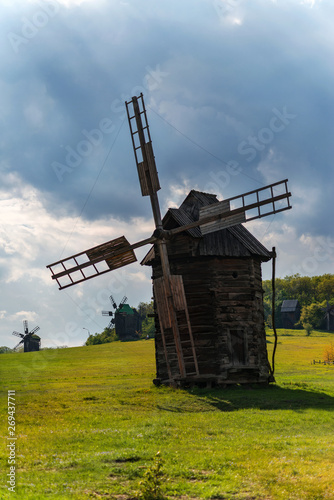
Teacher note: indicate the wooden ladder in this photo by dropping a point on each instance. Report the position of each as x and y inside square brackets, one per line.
[178, 340]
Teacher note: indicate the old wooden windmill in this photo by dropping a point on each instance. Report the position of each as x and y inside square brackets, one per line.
[240, 354]
[31, 341]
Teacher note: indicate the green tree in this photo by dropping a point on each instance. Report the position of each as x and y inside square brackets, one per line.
[108, 335]
[5, 350]
[302, 288]
[148, 327]
[325, 287]
[313, 315]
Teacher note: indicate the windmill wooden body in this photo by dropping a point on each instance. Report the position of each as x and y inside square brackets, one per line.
[31, 342]
[221, 273]
[175, 323]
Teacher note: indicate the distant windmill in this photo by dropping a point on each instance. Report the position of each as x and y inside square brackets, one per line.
[125, 319]
[111, 313]
[329, 313]
[30, 341]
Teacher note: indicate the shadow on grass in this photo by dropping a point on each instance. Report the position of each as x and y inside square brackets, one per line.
[273, 397]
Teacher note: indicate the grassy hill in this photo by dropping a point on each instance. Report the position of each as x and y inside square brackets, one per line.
[89, 423]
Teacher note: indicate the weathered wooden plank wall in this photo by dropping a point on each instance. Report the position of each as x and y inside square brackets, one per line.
[224, 297]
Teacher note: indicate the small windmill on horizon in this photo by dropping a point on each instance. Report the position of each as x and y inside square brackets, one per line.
[125, 319]
[31, 342]
[112, 313]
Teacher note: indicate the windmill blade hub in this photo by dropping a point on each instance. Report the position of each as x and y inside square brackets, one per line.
[161, 234]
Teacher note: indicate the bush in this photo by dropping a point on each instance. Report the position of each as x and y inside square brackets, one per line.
[108, 335]
[312, 315]
[308, 328]
[329, 353]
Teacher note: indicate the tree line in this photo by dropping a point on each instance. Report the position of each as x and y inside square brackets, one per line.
[312, 293]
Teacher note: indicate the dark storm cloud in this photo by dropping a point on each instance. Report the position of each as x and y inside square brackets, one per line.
[219, 80]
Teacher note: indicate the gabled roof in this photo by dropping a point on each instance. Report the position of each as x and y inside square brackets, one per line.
[197, 199]
[289, 305]
[235, 241]
[189, 211]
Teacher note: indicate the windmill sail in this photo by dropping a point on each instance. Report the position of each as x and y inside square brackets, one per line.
[34, 330]
[92, 262]
[124, 299]
[17, 334]
[25, 326]
[142, 146]
[18, 345]
[112, 300]
[248, 206]
[243, 208]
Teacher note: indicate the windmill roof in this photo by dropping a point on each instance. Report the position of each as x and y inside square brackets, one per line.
[289, 305]
[203, 199]
[125, 308]
[235, 241]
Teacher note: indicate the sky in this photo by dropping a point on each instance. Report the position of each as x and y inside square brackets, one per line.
[239, 95]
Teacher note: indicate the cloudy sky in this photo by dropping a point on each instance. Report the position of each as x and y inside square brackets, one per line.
[239, 95]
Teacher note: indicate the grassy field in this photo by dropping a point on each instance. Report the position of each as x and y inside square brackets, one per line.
[89, 423]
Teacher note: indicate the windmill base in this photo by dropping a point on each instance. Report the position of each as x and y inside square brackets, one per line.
[214, 381]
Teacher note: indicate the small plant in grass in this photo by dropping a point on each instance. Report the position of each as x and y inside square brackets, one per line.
[150, 486]
[329, 353]
[308, 328]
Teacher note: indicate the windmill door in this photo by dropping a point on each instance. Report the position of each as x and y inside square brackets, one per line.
[238, 346]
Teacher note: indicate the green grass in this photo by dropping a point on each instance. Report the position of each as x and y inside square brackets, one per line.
[89, 423]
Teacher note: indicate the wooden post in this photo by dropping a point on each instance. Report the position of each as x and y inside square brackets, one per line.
[273, 308]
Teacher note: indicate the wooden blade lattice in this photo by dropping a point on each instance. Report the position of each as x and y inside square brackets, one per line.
[17, 345]
[252, 205]
[142, 146]
[18, 334]
[93, 262]
[218, 210]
